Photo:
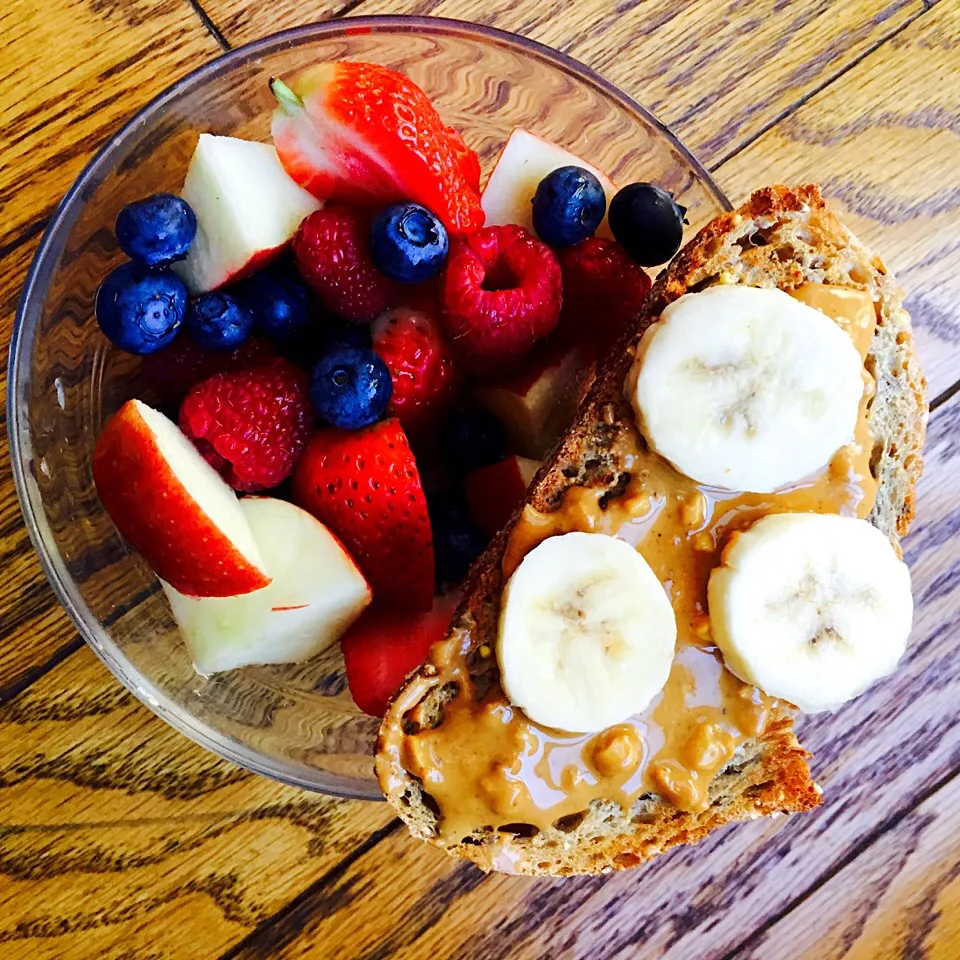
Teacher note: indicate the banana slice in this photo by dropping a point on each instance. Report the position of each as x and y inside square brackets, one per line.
[811, 608]
[746, 388]
[587, 633]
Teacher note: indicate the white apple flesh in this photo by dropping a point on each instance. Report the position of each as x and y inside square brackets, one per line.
[316, 594]
[247, 206]
[536, 405]
[525, 161]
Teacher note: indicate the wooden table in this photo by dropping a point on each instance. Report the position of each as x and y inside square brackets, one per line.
[121, 839]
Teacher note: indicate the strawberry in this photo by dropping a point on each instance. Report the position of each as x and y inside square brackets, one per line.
[495, 491]
[469, 161]
[421, 367]
[364, 485]
[385, 645]
[367, 135]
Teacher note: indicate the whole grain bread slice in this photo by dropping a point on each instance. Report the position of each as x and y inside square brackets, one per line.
[780, 237]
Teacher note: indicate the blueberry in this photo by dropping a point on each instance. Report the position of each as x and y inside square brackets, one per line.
[279, 302]
[141, 310]
[647, 222]
[350, 388]
[156, 231]
[568, 206]
[408, 243]
[473, 438]
[456, 540]
[219, 322]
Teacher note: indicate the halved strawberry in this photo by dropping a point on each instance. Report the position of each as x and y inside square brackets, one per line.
[387, 644]
[364, 485]
[367, 135]
[469, 161]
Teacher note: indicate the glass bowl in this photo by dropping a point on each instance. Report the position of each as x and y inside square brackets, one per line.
[296, 723]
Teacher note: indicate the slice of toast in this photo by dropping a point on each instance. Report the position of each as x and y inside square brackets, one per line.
[781, 237]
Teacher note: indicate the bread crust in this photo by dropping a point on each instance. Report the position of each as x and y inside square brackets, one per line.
[783, 237]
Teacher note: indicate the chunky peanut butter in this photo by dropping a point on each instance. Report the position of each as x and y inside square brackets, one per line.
[488, 764]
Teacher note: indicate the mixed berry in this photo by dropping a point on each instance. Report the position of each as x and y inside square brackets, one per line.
[279, 302]
[141, 310]
[250, 425]
[408, 243]
[647, 222]
[374, 338]
[350, 387]
[156, 231]
[568, 206]
[219, 322]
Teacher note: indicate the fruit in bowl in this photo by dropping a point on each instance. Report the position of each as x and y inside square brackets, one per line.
[294, 722]
[347, 321]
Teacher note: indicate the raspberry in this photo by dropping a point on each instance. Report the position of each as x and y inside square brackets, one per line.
[426, 297]
[421, 367]
[174, 370]
[250, 425]
[603, 290]
[331, 252]
[502, 294]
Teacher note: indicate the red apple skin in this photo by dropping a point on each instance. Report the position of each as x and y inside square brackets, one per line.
[494, 492]
[155, 514]
[260, 259]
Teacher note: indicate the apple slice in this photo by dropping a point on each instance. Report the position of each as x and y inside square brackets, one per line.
[173, 507]
[316, 594]
[536, 404]
[247, 208]
[523, 163]
[494, 492]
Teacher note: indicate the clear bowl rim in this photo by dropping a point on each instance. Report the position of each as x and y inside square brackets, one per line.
[34, 294]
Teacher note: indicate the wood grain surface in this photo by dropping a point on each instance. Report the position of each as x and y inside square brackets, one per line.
[716, 72]
[110, 57]
[120, 839]
[884, 142]
[901, 898]
[113, 56]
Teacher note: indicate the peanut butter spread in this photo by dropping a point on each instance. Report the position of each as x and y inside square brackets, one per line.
[486, 763]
